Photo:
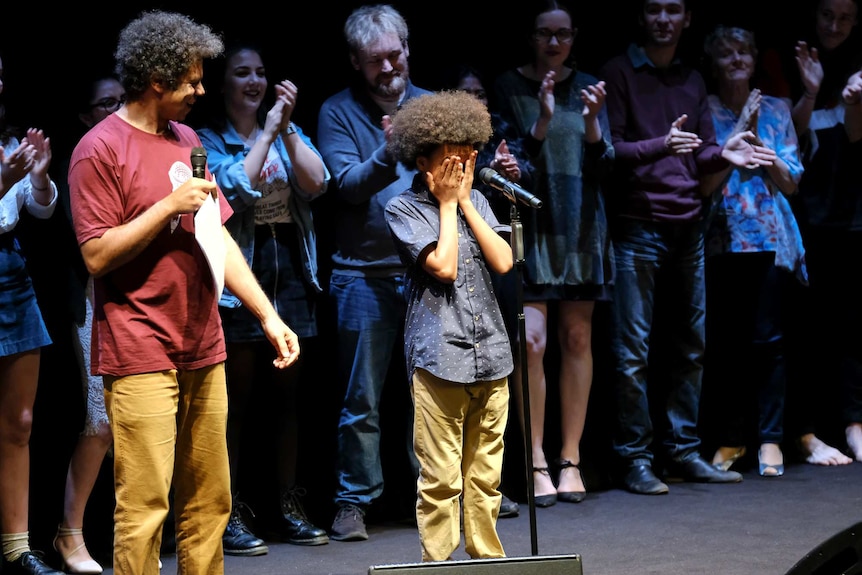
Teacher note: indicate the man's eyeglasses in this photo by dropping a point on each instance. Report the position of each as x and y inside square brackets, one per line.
[109, 104]
[563, 35]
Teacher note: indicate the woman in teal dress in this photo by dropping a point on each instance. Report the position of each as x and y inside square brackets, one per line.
[568, 262]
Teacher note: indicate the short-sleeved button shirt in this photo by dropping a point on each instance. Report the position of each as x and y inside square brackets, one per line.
[455, 331]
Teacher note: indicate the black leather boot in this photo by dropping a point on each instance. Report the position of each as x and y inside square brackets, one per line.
[294, 525]
[238, 538]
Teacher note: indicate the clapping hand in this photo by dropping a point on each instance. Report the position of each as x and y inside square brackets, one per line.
[386, 124]
[272, 124]
[810, 68]
[749, 115]
[852, 92]
[286, 91]
[743, 150]
[278, 117]
[593, 98]
[505, 163]
[41, 151]
[679, 141]
[547, 101]
[16, 164]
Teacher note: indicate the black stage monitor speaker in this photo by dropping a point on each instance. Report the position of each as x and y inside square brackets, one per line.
[538, 565]
[841, 554]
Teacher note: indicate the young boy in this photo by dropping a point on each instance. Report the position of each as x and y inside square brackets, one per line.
[456, 345]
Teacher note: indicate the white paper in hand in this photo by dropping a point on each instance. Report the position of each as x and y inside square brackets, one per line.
[208, 233]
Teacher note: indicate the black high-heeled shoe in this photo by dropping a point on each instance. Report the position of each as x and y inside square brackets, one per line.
[571, 496]
[544, 500]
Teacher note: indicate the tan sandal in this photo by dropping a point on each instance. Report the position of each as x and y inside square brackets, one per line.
[83, 567]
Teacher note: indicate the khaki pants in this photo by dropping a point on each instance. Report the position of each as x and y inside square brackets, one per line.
[170, 428]
[458, 439]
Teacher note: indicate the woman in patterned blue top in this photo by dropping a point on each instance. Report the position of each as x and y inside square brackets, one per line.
[753, 249]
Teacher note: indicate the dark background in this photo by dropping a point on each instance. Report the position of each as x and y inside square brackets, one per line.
[47, 56]
[47, 59]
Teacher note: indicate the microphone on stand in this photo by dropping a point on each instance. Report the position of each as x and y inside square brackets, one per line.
[510, 189]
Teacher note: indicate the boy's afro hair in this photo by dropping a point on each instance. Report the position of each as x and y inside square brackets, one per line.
[431, 120]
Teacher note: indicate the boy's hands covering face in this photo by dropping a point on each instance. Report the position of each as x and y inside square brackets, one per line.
[450, 178]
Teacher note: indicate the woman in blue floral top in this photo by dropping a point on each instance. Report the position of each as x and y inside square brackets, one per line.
[753, 249]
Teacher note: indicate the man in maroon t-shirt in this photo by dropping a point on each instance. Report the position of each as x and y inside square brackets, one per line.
[157, 337]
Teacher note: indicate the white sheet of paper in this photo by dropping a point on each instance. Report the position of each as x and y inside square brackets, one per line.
[208, 233]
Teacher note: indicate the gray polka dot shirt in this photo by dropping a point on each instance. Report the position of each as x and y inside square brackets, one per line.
[455, 331]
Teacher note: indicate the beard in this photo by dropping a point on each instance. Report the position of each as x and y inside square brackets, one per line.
[395, 87]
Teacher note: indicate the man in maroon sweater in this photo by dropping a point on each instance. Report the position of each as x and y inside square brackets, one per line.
[664, 142]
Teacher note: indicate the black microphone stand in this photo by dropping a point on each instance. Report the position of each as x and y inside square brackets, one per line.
[517, 242]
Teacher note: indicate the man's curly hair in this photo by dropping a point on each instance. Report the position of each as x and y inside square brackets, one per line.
[431, 120]
[160, 47]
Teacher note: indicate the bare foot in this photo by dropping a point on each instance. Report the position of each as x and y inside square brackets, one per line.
[854, 439]
[818, 453]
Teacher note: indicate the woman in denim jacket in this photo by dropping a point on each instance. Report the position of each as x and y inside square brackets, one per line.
[269, 171]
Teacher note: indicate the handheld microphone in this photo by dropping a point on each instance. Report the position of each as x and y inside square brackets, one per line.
[199, 162]
[510, 189]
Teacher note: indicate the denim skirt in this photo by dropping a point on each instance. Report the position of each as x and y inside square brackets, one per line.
[21, 325]
[277, 266]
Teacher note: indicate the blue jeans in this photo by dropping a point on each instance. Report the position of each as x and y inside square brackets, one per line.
[660, 266]
[370, 316]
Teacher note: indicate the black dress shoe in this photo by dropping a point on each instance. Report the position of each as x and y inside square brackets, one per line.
[640, 479]
[29, 563]
[508, 508]
[697, 470]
